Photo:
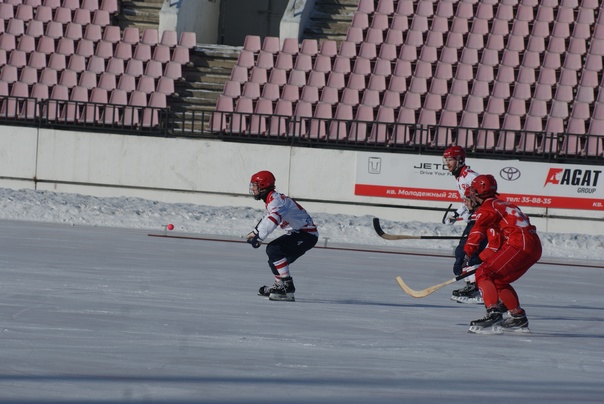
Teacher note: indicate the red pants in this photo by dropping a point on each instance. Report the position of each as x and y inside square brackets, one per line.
[496, 274]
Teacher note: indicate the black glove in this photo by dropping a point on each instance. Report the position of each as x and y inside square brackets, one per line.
[465, 262]
[254, 240]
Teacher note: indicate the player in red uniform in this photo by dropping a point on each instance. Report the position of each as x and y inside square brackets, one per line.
[521, 249]
[302, 234]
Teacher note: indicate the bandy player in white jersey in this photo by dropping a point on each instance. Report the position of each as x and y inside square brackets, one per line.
[454, 158]
[301, 234]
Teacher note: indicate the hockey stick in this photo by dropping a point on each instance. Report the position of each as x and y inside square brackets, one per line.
[383, 234]
[428, 291]
[446, 213]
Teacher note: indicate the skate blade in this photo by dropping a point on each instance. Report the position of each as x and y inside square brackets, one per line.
[493, 330]
[517, 330]
[281, 298]
[467, 300]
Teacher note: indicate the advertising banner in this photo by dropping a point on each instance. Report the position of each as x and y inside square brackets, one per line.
[546, 185]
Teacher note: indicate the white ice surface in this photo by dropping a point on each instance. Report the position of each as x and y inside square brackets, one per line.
[96, 310]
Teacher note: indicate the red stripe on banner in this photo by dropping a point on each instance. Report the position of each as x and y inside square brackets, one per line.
[558, 202]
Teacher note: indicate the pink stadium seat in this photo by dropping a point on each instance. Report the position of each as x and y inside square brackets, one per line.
[108, 81]
[93, 33]
[7, 12]
[49, 77]
[485, 137]
[356, 81]
[181, 55]
[350, 97]
[73, 109]
[154, 69]
[359, 128]
[116, 67]
[142, 52]
[104, 49]
[447, 124]
[68, 78]
[412, 101]
[218, 120]
[62, 15]
[348, 49]
[362, 66]
[278, 76]
[318, 124]
[244, 107]
[309, 47]
[131, 35]
[29, 75]
[270, 91]
[87, 80]
[377, 83]
[329, 48]
[290, 46]
[82, 16]
[559, 109]
[360, 20]
[278, 125]
[329, 96]
[510, 128]
[109, 6]
[76, 63]
[265, 60]
[188, 40]
[259, 120]
[113, 114]
[271, 44]
[322, 64]
[251, 90]
[127, 83]
[161, 53]
[402, 133]
[316, 79]
[123, 50]
[150, 37]
[150, 115]
[366, 6]
[15, 27]
[134, 67]
[37, 60]
[371, 98]
[474, 104]
[337, 128]
[231, 89]
[380, 131]
[169, 38]
[528, 140]
[31, 109]
[90, 5]
[297, 77]
[9, 74]
[18, 58]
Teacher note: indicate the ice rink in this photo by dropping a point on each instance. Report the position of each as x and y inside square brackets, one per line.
[110, 316]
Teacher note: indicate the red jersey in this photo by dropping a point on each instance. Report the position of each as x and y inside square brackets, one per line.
[506, 219]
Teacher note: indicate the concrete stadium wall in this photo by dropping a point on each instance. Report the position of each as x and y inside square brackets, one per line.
[216, 173]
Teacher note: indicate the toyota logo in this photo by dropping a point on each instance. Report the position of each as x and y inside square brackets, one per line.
[509, 173]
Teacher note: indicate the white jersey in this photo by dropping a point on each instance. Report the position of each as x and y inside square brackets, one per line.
[464, 180]
[284, 212]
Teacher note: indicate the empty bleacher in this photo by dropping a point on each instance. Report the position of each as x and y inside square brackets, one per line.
[509, 77]
[63, 61]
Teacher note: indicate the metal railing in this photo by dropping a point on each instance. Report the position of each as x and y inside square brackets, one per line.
[303, 131]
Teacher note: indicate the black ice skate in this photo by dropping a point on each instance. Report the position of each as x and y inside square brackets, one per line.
[266, 290]
[284, 292]
[516, 323]
[469, 294]
[490, 324]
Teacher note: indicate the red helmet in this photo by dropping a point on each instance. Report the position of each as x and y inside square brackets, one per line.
[263, 181]
[456, 152]
[484, 186]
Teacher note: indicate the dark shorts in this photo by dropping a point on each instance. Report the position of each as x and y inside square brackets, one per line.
[291, 246]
